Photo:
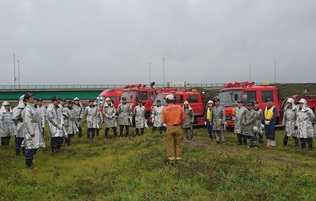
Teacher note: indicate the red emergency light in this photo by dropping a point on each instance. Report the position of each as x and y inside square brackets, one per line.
[239, 84]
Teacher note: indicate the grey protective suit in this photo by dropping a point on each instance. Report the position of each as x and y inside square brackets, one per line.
[6, 123]
[139, 112]
[304, 119]
[55, 121]
[250, 120]
[32, 124]
[17, 118]
[218, 120]
[42, 113]
[110, 116]
[156, 116]
[124, 114]
[289, 119]
[70, 124]
[93, 116]
[240, 113]
[78, 111]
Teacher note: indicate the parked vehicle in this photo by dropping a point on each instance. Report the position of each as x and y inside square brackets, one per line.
[279, 93]
[114, 94]
[136, 92]
[194, 98]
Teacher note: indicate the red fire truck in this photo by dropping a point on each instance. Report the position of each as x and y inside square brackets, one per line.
[136, 92]
[249, 92]
[194, 98]
[114, 94]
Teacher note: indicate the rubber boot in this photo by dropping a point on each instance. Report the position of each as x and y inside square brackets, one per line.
[268, 143]
[310, 147]
[296, 143]
[17, 152]
[80, 132]
[245, 141]
[248, 142]
[98, 131]
[67, 141]
[284, 142]
[260, 139]
[239, 139]
[254, 143]
[273, 143]
[303, 144]
[29, 162]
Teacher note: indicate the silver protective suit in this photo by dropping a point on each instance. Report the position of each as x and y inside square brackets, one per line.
[305, 117]
[6, 123]
[139, 112]
[124, 114]
[156, 116]
[55, 121]
[32, 125]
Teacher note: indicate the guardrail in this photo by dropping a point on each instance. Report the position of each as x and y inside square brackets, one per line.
[96, 86]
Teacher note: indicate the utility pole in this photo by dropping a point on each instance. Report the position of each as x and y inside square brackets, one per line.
[14, 78]
[149, 73]
[163, 72]
[249, 72]
[19, 74]
[275, 71]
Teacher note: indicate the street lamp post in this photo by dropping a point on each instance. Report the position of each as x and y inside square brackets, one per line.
[19, 74]
[163, 72]
[275, 71]
[14, 78]
[149, 72]
[249, 72]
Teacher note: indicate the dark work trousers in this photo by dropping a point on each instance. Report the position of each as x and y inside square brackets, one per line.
[91, 131]
[126, 130]
[209, 130]
[56, 143]
[18, 142]
[106, 132]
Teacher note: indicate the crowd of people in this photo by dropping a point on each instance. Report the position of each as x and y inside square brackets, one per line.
[64, 118]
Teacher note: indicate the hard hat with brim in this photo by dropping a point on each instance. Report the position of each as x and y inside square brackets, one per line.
[5, 103]
[170, 97]
[28, 95]
[210, 102]
[55, 98]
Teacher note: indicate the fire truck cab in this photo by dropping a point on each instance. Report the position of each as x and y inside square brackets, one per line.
[248, 92]
[147, 95]
[193, 97]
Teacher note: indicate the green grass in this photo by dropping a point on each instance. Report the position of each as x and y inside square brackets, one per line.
[135, 169]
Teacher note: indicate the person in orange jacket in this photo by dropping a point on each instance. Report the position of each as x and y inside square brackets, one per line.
[173, 116]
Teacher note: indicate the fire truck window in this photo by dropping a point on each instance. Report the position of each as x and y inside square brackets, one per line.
[142, 95]
[179, 99]
[152, 97]
[193, 99]
[249, 96]
[266, 94]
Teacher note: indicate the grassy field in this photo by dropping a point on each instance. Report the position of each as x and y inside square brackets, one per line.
[135, 169]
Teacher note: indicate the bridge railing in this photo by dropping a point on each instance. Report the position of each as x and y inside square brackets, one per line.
[93, 86]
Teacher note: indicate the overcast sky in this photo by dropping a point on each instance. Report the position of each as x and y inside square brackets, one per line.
[113, 41]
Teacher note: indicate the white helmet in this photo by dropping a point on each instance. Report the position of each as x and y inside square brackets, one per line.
[108, 99]
[76, 99]
[5, 103]
[170, 97]
[210, 102]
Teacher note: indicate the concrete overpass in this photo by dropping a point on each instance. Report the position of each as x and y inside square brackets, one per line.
[68, 92]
